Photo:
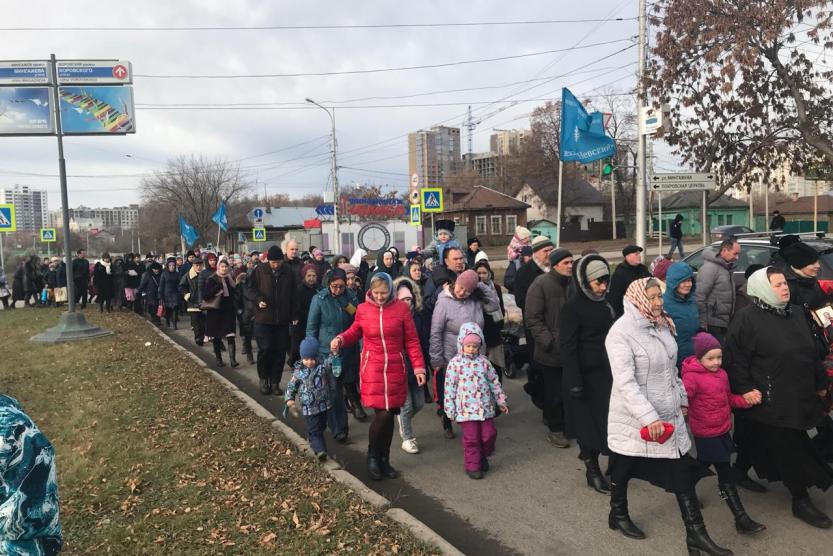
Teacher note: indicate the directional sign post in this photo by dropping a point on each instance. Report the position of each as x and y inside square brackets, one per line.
[431, 199]
[24, 73]
[258, 234]
[48, 235]
[95, 72]
[681, 182]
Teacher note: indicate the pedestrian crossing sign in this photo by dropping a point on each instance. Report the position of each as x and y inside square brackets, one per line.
[48, 235]
[259, 234]
[7, 219]
[416, 215]
[431, 199]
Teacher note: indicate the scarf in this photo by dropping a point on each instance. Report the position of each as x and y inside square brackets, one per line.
[762, 294]
[224, 281]
[638, 298]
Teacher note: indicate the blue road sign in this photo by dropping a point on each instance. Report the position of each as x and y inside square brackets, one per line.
[258, 213]
[326, 209]
[24, 73]
[82, 72]
[259, 234]
[431, 199]
[416, 215]
[7, 219]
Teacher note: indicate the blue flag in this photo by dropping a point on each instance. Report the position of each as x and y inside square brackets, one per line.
[219, 217]
[188, 233]
[583, 137]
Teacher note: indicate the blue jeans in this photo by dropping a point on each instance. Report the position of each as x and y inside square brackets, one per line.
[315, 431]
[414, 401]
[337, 416]
[676, 244]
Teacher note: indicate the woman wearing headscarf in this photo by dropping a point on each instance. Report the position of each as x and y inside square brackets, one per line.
[221, 322]
[131, 281]
[397, 264]
[169, 292]
[585, 321]
[362, 268]
[321, 264]
[148, 291]
[646, 428]
[388, 331]
[103, 281]
[680, 302]
[771, 355]
[384, 263]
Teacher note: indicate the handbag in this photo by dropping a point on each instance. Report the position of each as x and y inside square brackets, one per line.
[129, 294]
[60, 294]
[211, 304]
[666, 434]
[160, 311]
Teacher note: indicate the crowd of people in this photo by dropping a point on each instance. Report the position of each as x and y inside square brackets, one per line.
[666, 373]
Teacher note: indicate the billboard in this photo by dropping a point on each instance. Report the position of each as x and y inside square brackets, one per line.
[26, 110]
[97, 110]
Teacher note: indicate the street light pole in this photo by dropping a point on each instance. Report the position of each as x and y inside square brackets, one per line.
[337, 244]
[640, 102]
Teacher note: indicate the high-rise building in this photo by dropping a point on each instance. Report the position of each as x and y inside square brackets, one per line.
[507, 142]
[125, 218]
[31, 211]
[486, 165]
[434, 154]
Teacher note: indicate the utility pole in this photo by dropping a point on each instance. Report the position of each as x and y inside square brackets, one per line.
[640, 102]
[336, 200]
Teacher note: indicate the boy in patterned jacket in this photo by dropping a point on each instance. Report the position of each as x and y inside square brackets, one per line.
[310, 383]
[472, 390]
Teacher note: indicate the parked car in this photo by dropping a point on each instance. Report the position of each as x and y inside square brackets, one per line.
[761, 248]
[730, 230]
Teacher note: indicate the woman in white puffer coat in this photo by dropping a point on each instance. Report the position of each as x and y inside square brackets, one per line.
[648, 394]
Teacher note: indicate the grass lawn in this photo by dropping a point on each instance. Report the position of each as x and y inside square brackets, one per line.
[155, 457]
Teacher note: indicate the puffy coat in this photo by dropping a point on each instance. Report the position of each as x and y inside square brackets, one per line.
[388, 331]
[450, 314]
[471, 383]
[715, 290]
[776, 355]
[683, 310]
[311, 386]
[709, 399]
[169, 288]
[544, 302]
[646, 387]
[330, 316]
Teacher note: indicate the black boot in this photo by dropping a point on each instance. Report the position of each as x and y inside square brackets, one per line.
[697, 539]
[743, 523]
[176, 320]
[595, 479]
[218, 354]
[373, 466]
[265, 386]
[619, 518]
[804, 510]
[250, 358]
[384, 465]
[232, 352]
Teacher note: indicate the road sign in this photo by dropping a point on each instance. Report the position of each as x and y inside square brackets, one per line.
[431, 199]
[416, 215]
[24, 73]
[327, 209]
[48, 235]
[8, 223]
[259, 234]
[95, 72]
[681, 182]
[257, 216]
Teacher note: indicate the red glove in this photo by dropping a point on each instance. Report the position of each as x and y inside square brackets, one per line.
[669, 430]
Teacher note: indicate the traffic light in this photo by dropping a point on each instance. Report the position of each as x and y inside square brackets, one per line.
[607, 166]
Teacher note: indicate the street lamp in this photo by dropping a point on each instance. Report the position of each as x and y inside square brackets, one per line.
[335, 175]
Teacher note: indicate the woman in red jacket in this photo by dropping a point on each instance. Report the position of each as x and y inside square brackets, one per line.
[388, 330]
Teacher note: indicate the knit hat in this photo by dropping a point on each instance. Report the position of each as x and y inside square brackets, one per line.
[197, 260]
[307, 267]
[704, 343]
[799, 255]
[309, 348]
[660, 266]
[275, 254]
[558, 255]
[540, 242]
[596, 269]
[468, 279]
[472, 338]
[787, 240]
[337, 274]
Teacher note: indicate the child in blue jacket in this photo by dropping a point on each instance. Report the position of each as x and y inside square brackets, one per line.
[310, 383]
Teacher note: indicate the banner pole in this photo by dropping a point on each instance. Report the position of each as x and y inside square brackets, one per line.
[558, 216]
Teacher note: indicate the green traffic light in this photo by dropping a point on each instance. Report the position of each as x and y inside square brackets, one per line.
[607, 169]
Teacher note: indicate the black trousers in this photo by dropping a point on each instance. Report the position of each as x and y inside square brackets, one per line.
[553, 397]
[81, 291]
[198, 326]
[272, 345]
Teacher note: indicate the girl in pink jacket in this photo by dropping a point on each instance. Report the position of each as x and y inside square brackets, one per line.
[710, 403]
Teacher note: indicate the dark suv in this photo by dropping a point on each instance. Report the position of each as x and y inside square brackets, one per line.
[760, 248]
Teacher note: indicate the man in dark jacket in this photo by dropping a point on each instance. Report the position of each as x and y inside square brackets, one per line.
[544, 301]
[716, 287]
[675, 234]
[277, 307]
[471, 251]
[778, 221]
[189, 288]
[81, 277]
[292, 259]
[629, 270]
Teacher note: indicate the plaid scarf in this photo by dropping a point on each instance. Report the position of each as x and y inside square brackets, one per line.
[638, 298]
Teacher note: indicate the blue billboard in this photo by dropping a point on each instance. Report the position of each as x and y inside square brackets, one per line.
[26, 111]
[97, 110]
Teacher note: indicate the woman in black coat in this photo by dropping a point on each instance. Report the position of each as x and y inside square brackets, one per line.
[585, 321]
[169, 292]
[772, 360]
[148, 291]
[245, 304]
[103, 281]
[131, 282]
[221, 322]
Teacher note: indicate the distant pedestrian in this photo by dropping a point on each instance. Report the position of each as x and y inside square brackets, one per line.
[190, 290]
[472, 250]
[81, 277]
[675, 234]
[472, 390]
[310, 384]
[245, 305]
[169, 295]
[778, 222]
[5, 292]
[103, 281]
[149, 291]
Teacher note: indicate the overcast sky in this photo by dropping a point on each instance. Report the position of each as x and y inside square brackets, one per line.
[104, 170]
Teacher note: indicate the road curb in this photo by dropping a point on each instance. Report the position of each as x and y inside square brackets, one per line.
[419, 529]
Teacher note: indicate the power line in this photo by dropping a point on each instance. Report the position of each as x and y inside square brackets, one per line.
[380, 70]
[301, 107]
[323, 27]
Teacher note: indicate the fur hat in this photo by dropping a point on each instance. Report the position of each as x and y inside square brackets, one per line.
[799, 255]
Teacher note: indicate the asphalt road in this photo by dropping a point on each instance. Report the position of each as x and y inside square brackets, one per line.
[535, 500]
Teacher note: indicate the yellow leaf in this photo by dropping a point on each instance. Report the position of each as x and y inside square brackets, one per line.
[295, 520]
[268, 538]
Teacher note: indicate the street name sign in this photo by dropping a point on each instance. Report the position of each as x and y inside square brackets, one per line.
[681, 182]
[94, 72]
[24, 73]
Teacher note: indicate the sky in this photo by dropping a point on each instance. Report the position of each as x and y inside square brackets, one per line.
[280, 142]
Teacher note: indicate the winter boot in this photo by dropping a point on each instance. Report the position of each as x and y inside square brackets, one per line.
[743, 523]
[250, 358]
[175, 321]
[265, 386]
[619, 518]
[218, 353]
[806, 511]
[595, 479]
[232, 352]
[384, 465]
[373, 465]
[697, 539]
